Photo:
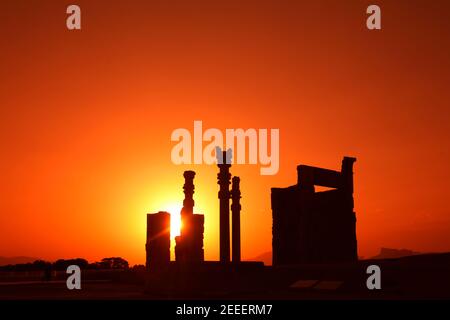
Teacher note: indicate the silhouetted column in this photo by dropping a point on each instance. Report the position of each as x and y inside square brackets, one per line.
[188, 189]
[197, 252]
[189, 245]
[158, 239]
[236, 220]
[347, 186]
[224, 177]
[188, 205]
[347, 173]
[183, 242]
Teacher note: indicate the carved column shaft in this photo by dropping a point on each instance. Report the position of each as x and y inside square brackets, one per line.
[223, 178]
[236, 220]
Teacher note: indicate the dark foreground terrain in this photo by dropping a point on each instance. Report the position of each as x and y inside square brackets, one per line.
[415, 277]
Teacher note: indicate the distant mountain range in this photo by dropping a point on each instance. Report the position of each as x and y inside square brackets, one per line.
[16, 260]
[387, 253]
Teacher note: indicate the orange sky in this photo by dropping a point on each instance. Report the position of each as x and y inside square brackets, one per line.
[86, 116]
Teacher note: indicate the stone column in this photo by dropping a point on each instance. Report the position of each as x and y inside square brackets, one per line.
[184, 240]
[236, 220]
[223, 178]
[158, 240]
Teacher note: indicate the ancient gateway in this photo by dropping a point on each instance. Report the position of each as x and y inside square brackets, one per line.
[189, 244]
[315, 227]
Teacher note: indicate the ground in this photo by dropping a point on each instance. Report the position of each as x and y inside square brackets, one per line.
[416, 277]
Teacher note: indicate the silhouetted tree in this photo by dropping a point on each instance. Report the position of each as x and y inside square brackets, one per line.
[38, 265]
[114, 263]
[62, 264]
[138, 267]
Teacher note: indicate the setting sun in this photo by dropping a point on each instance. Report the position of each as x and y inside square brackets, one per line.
[175, 220]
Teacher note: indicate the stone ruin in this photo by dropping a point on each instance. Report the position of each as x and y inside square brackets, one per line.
[315, 227]
[189, 244]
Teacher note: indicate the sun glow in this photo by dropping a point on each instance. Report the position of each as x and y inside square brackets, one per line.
[175, 219]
